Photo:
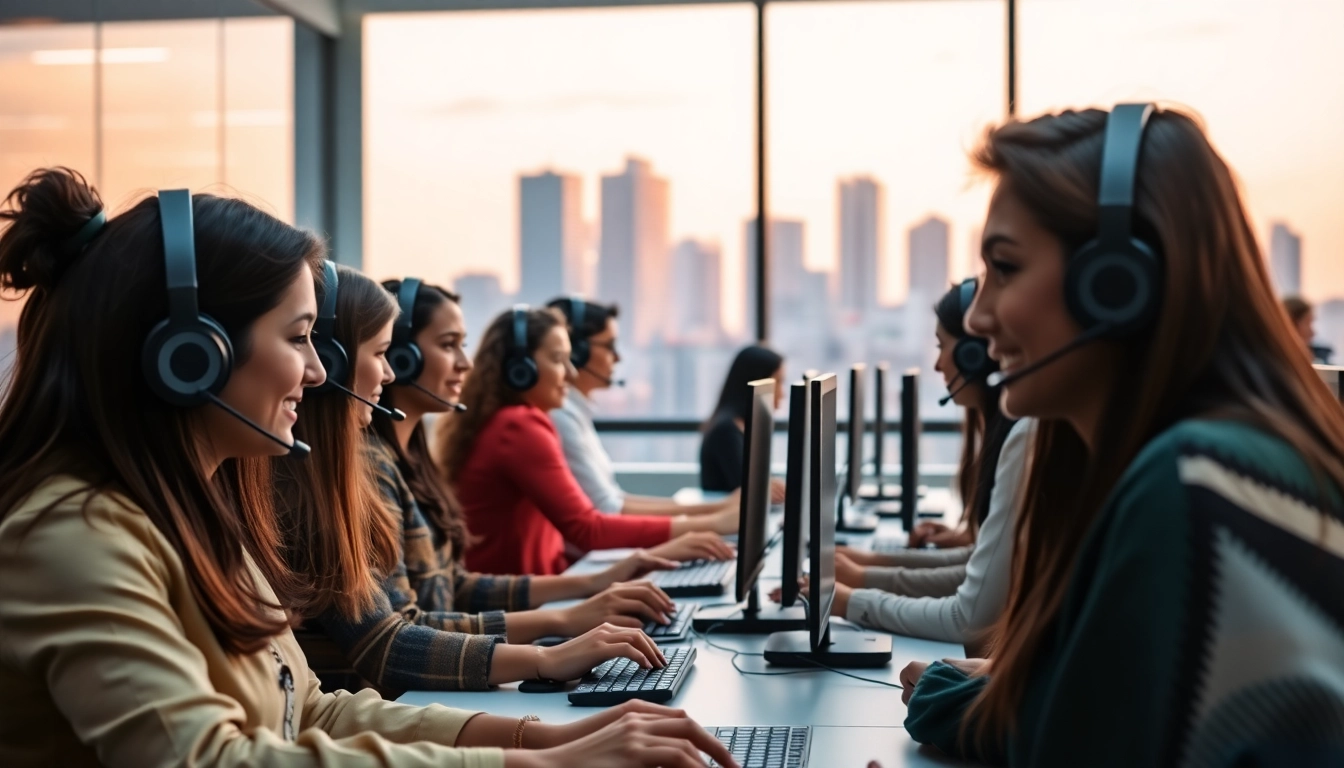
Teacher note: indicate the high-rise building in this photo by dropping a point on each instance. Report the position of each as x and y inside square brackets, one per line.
[788, 275]
[861, 243]
[928, 261]
[1285, 259]
[632, 267]
[551, 236]
[482, 300]
[697, 292]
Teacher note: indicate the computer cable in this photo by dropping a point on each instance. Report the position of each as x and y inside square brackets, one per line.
[737, 652]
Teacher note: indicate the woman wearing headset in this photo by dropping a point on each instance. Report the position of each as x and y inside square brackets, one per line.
[505, 460]
[142, 593]
[951, 595]
[342, 534]
[1175, 588]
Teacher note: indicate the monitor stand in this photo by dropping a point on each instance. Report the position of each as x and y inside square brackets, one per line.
[854, 518]
[843, 650]
[750, 619]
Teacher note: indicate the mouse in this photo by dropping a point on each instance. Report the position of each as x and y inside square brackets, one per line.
[550, 640]
[541, 685]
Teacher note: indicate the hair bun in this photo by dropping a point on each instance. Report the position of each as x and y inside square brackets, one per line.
[47, 214]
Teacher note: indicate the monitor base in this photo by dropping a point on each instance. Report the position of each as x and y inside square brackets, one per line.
[847, 650]
[736, 620]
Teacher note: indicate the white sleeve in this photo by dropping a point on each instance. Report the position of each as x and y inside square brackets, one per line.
[601, 489]
[982, 595]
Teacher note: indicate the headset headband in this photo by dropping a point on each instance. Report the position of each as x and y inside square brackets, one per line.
[326, 316]
[520, 328]
[576, 312]
[406, 296]
[966, 297]
[1119, 167]
[179, 253]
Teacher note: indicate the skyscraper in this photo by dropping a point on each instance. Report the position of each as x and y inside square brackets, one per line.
[632, 266]
[1285, 259]
[551, 237]
[928, 261]
[788, 275]
[697, 292]
[861, 236]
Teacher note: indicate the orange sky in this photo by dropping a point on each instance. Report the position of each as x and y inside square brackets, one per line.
[898, 90]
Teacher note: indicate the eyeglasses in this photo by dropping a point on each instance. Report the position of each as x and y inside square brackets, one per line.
[610, 346]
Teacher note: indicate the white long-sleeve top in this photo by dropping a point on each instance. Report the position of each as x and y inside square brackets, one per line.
[977, 603]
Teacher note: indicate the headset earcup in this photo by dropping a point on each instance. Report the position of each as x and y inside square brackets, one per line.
[580, 353]
[181, 362]
[971, 356]
[334, 361]
[520, 373]
[1114, 286]
[406, 360]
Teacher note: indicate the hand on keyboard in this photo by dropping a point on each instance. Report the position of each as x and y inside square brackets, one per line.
[576, 658]
[624, 605]
[632, 735]
[635, 566]
[696, 545]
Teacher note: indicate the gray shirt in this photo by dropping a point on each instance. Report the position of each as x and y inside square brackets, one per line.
[981, 596]
[588, 460]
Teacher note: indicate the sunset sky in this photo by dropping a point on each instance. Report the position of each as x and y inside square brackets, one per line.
[896, 90]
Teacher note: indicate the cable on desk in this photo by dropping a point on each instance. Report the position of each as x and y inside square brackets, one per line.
[736, 653]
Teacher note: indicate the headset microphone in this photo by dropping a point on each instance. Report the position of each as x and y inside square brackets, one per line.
[952, 391]
[998, 379]
[459, 407]
[298, 449]
[393, 413]
[604, 379]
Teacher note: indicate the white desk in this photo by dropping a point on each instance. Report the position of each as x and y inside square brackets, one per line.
[853, 721]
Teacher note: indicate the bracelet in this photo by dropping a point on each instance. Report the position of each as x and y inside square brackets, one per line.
[518, 732]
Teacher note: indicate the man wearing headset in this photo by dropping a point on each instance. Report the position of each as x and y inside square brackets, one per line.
[593, 333]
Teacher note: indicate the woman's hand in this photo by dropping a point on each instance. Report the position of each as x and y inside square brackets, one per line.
[839, 605]
[574, 659]
[910, 678]
[623, 605]
[634, 735]
[922, 533]
[776, 491]
[696, 545]
[639, 564]
[847, 571]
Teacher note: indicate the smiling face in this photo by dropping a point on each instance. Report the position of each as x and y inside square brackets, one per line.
[602, 359]
[269, 384]
[554, 370]
[371, 371]
[443, 341]
[1020, 308]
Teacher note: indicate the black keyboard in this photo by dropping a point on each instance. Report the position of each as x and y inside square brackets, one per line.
[766, 746]
[696, 578]
[678, 629]
[619, 680]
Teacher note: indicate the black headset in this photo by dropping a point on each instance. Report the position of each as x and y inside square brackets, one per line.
[581, 350]
[329, 351]
[1113, 284]
[520, 370]
[404, 355]
[971, 353]
[187, 356]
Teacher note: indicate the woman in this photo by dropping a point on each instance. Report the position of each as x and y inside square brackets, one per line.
[342, 534]
[1175, 588]
[918, 593]
[131, 452]
[505, 460]
[721, 446]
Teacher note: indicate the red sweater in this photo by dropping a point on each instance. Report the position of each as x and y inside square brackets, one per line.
[521, 501]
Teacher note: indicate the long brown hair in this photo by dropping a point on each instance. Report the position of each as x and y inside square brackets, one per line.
[1221, 348]
[485, 392]
[433, 496]
[337, 535]
[79, 405]
[984, 429]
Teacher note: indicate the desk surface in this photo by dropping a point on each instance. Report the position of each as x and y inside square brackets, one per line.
[854, 721]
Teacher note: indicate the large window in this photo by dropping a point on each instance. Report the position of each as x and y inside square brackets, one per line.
[523, 155]
[1265, 78]
[136, 106]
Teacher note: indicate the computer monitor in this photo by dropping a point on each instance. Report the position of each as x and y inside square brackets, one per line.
[816, 644]
[910, 434]
[880, 374]
[795, 496]
[753, 539]
[1333, 376]
[853, 513]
